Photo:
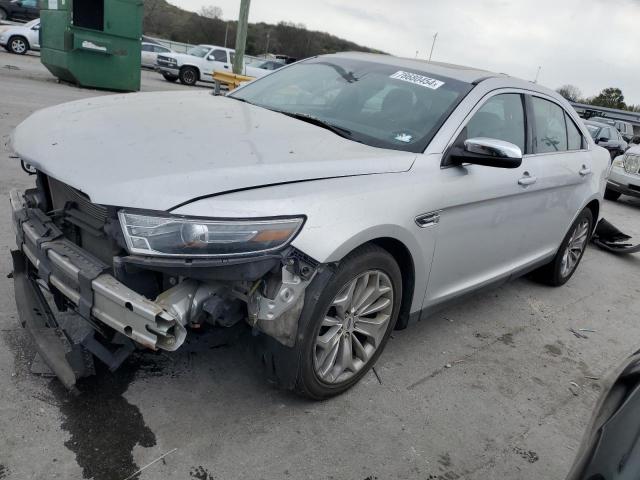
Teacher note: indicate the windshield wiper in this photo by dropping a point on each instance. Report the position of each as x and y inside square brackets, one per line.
[343, 132]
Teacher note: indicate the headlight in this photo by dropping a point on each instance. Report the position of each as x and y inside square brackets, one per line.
[631, 163]
[193, 237]
[618, 162]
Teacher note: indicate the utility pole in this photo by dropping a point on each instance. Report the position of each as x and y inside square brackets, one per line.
[226, 34]
[433, 45]
[241, 37]
[266, 50]
[417, 53]
[537, 74]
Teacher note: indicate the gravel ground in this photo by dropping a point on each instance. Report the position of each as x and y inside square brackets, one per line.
[503, 409]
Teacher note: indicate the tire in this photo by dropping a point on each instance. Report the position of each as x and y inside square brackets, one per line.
[561, 268]
[296, 368]
[18, 45]
[3, 14]
[170, 78]
[611, 195]
[189, 76]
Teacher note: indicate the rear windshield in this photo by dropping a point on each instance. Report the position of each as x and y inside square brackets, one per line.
[379, 105]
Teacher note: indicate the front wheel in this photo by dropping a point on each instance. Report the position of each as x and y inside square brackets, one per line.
[3, 14]
[188, 76]
[170, 78]
[566, 261]
[18, 45]
[347, 318]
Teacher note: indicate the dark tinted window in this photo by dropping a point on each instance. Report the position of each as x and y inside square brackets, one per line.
[219, 56]
[502, 118]
[574, 136]
[147, 48]
[550, 127]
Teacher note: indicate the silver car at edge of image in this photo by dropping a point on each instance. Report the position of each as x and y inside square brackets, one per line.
[624, 177]
[355, 193]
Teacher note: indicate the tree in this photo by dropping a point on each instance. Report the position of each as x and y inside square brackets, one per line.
[211, 12]
[610, 97]
[570, 92]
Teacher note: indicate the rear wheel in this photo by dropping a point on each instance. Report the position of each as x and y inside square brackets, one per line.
[188, 76]
[169, 78]
[18, 45]
[611, 194]
[566, 261]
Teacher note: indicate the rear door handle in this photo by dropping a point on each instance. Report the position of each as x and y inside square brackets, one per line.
[584, 171]
[527, 180]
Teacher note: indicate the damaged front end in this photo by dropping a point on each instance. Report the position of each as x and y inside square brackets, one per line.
[107, 274]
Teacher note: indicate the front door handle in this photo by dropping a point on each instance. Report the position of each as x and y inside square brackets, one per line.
[584, 171]
[527, 179]
[226, 67]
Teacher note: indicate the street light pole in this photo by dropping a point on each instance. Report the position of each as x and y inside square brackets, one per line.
[433, 45]
[241, 37]
[226, 34]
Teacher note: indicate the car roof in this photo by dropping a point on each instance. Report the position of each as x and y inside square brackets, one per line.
[457, 72]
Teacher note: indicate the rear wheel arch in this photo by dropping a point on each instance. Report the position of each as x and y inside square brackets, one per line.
[594, 206]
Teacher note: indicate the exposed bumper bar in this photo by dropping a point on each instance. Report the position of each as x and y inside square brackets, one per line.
[81, 278]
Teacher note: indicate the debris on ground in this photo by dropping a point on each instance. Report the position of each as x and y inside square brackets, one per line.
[577, 334]
[609, 238]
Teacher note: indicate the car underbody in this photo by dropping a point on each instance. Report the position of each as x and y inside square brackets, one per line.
[71, 258]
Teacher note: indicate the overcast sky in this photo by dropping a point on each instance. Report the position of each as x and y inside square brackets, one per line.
[592, 44]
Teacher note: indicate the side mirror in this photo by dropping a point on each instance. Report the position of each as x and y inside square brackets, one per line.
[602, 140]
[489, 152]
[210, 57]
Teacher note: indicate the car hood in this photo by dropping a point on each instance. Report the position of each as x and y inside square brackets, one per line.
[159, 150]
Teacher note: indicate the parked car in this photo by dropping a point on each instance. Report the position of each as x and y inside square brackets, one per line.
[149, 53]
[268, 65]
[625, 129]
[19, 10]
[348, 195]
[625, 175]
[20, 39]
[608, 137]
[199, 64]
[609, 448]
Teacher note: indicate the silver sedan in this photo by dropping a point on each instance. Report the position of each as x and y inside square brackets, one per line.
[325, 204]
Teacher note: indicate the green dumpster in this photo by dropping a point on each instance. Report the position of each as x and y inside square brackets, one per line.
[92, 43]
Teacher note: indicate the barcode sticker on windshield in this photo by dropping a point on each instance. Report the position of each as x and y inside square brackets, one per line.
[431, 83]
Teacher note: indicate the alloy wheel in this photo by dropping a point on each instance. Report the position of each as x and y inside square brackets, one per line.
[18, 46]
[353, 327]
[575, 247]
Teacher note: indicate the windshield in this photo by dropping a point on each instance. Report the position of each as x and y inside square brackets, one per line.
[376, 104]
[198, 51]
[593, 130]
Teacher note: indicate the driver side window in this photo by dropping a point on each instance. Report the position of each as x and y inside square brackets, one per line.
[500, 118]
[219, 56]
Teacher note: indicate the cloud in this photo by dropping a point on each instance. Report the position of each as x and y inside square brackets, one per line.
[589, 43]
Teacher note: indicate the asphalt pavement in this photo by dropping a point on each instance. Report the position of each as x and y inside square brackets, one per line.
[481, 390]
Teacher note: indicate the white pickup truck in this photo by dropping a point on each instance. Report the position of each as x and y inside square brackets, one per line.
[199, 63]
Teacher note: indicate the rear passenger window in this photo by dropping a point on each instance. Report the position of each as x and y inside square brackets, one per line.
[502, 118]
[550, 128]
[574, 137]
